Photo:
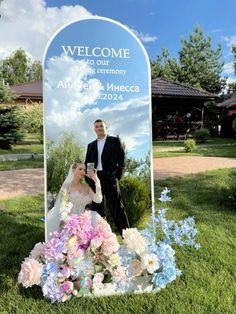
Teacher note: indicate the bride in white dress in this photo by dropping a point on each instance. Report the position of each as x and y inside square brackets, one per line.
[78, 193]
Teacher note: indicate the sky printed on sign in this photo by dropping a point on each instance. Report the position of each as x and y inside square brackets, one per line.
[75, 109]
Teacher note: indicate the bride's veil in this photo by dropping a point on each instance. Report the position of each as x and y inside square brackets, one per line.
[53, 216]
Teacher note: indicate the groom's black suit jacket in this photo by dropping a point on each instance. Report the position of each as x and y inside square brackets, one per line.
[113, 157]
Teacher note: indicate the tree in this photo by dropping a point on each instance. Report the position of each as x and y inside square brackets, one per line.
[18, 68]
[164, 66]
[234, 52]
[232, 86]
[10, 127]
[5, 94]
[198, 65]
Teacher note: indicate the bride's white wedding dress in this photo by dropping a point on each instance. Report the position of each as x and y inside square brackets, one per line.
[79, 201]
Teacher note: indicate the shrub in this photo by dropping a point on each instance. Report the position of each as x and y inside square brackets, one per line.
[10, 127]
[60, 156]
[33, 120]
[227, 194]
[136, 198]
[189, 145]
[201, 135]
[234, 125]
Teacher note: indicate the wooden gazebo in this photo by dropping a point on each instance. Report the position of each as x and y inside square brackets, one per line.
[228, 114]
[177, 109]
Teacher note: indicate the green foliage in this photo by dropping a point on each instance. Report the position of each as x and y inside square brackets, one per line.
[10, 127]
[60, 155]
[189, 145]
[234, 124]
[5, 94]
[18, 68]
[211, 117]
[234, 52]
[33, 120]
[199, 65]
[201, 135]
[164, 66]
[228, 192]
[136, 198]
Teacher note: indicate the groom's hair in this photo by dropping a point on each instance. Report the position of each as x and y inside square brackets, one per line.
[100, 120]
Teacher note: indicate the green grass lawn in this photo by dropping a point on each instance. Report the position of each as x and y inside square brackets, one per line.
[21, 164]
[208, 282]
[23, 148]
[219, 151]
[176, 148]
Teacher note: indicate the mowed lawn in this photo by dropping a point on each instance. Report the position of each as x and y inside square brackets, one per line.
[222, 147]
[208, 282]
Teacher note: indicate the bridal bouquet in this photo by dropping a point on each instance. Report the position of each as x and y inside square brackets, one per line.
[85, 257]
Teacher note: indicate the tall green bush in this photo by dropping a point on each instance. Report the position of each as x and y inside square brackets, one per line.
[189, 145]
[10, 127]
[234, 124]
[201, 135]
[60, 155]
[136, 198]
[33, 120]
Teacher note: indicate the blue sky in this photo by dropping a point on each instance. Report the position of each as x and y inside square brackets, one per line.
[168, 20]
[158, 23]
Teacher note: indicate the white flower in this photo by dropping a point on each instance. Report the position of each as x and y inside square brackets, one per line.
[97, 281]
[65, 211]
[114, 260]
[150, 262]
[134, 241]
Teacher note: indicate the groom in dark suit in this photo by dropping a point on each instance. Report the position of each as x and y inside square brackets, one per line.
[107, 154]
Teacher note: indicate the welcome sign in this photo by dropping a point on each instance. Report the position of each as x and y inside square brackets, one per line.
[98, 145]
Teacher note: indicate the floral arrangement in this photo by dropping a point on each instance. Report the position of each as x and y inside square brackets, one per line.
[85, 258]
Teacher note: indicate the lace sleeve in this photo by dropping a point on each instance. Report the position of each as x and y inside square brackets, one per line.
[96, 197]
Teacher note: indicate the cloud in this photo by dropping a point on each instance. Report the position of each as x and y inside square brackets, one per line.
[68, 89]
[230, 40]
[30, 24]
[74, 109]
[145, 38]
[228, 68]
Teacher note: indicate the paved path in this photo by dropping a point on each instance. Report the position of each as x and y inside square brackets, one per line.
[31, 181]
[180, 166]
[25, 156]
[21, 182]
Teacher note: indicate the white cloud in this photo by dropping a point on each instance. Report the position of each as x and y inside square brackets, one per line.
[145, 38]
[230, 40]
[30, 24]
[68, 89]
[228, 68]
[75, 110]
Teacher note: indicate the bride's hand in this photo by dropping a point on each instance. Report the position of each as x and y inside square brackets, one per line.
[92, 175]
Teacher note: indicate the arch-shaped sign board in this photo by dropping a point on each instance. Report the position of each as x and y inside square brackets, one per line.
[96, 68]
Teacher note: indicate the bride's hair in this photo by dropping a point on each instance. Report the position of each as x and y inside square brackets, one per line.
[76, 162]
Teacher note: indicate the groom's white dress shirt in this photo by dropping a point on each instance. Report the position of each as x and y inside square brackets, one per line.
[100, 146]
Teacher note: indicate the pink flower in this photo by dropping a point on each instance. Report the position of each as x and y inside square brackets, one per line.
[96, 243]
[38, 252]
[135, 267]
[110, 245]
[119, 274]
[67, 286]
[31, 271]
